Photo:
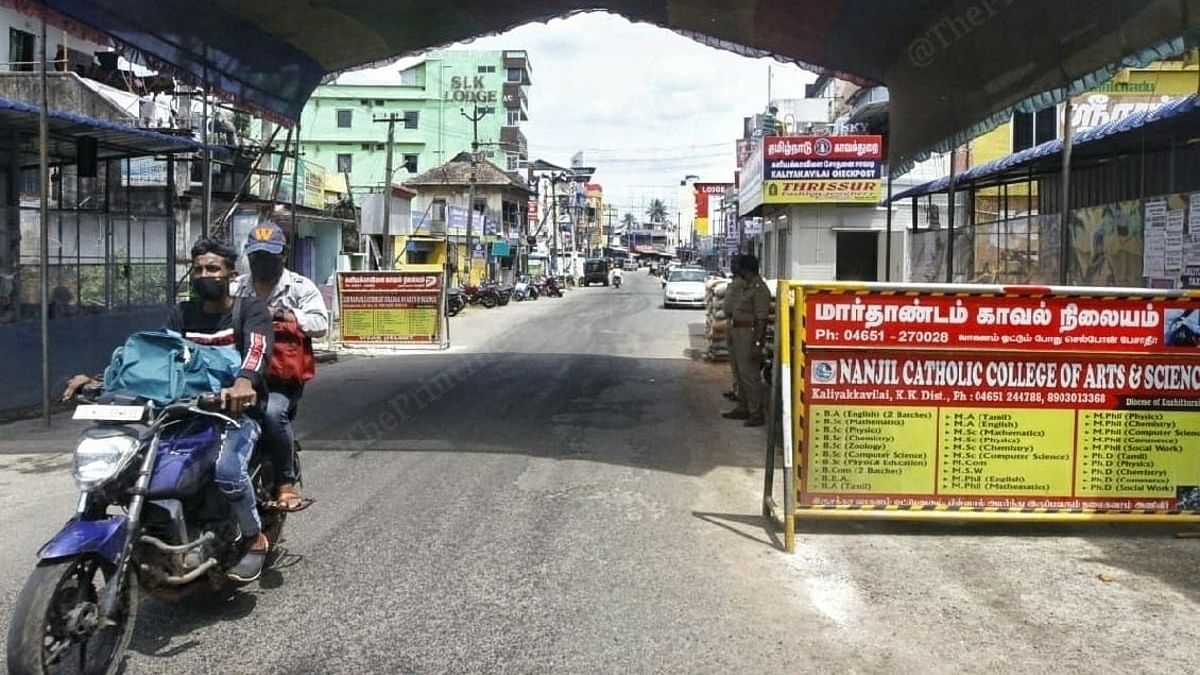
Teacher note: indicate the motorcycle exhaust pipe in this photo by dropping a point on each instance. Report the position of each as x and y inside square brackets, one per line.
[188, 578]
[182, 548]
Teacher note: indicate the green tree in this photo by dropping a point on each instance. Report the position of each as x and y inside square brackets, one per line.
[657, 211]
[630, 221]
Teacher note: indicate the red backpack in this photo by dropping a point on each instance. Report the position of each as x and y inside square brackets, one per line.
[292, 360]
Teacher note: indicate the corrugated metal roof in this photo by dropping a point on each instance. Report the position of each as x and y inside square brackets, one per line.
[1137, 121]
[113, 140]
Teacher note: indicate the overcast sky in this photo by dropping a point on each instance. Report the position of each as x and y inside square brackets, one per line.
[646, 106]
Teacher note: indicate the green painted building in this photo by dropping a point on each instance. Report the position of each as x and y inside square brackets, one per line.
[428, 95]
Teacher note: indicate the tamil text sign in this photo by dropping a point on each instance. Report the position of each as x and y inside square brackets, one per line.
[390, 307]
[999, 401]
[822, 169]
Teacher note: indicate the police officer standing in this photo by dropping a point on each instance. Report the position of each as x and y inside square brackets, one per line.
[751, 310]
[730, 301]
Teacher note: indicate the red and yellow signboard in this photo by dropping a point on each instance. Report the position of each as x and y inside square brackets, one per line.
[822, 169]
[390, 307]
[1008, 402]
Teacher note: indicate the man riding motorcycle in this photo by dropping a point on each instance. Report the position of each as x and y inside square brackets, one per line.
[213, 320]
[291, 299]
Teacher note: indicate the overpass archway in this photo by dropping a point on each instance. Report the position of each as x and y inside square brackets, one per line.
[954, 68]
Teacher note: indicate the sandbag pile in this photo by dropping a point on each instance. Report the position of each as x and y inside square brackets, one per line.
[715, 324]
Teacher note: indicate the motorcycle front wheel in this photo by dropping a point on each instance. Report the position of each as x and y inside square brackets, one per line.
[56, 625]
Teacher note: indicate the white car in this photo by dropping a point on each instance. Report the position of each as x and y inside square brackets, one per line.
[685, 288]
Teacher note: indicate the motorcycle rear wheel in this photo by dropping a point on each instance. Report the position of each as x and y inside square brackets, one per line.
[57, 607]
[488, 301]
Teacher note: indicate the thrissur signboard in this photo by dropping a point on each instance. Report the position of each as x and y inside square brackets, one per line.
[822, 169]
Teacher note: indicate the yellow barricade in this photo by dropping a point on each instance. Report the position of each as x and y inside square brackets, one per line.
[964, 402]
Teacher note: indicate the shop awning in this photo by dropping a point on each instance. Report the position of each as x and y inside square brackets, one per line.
[113, 140]
[1147, 130]
[954, 68]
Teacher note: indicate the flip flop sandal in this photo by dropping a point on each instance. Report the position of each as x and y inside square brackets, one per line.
[276, 505]
[287, 499]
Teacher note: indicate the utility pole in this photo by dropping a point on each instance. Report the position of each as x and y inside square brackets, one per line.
[554, 226]
[389, 259]
[475, 116]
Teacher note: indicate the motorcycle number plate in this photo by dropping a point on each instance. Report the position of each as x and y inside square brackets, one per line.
[110, 413]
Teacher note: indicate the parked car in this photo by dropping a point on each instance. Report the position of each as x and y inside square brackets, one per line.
[630, 265]
[684, 287]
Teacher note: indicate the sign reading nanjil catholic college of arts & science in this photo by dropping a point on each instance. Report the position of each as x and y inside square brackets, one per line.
[390, 307]
[822, 169]
[1014, 401]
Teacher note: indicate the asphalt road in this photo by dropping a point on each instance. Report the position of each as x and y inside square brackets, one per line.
[558, 493]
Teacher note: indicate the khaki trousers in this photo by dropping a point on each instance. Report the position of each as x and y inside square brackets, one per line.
[737, 385]
[748, 363]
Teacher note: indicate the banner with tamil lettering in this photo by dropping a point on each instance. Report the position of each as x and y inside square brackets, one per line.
[1036, 399]
[390, 307]
[822, 169]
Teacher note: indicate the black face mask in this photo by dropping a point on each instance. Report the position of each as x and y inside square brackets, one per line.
[266, 267]
[210, 288]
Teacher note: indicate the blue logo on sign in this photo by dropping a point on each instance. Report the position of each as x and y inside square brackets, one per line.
[824, 372]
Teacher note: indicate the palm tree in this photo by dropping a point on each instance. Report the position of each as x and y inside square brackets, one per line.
[629, 222]
[657, 211]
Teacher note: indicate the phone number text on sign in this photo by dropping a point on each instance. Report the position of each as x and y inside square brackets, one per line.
[1000, 322]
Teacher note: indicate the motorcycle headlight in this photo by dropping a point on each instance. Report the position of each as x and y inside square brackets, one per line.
[98, 459]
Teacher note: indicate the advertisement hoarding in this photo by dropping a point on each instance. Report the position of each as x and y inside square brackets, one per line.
[707, 195]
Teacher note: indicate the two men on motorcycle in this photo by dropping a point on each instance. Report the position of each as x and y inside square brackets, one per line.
[291, 298]
[216, 319]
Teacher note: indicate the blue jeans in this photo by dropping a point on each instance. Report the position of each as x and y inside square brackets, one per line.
[232, 477]
[278, 437]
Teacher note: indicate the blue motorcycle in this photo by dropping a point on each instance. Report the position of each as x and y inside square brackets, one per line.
[149, 519]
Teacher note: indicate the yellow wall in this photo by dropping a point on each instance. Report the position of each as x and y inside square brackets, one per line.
[1171, 78]
[437, 256]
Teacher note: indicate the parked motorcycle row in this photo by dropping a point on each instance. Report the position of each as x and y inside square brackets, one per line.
[490, 294]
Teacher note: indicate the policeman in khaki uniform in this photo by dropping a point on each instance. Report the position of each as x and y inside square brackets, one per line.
[751, 310]
[732, 290]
